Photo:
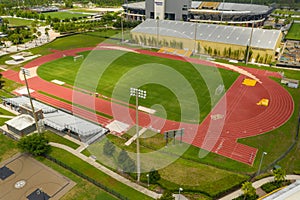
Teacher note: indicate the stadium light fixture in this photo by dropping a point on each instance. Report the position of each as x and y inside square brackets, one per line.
[179, 190]
[26, 72]
[138, 93]
[261, 160]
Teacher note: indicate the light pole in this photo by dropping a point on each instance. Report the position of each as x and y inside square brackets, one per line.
[179, 190]
[262, 157]
[122, 31]
[148, 179]
[250, 41]
[26, 72]
[138, 94]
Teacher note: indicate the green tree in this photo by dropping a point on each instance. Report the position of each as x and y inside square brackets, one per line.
[125, 162]
[109, 148]
[35, 144]
[279, 174]
[154, 176]
[249, 190]
[167, 195]
[1, 82]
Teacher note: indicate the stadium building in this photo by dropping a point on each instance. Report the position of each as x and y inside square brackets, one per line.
[217, 40]
[200, 11]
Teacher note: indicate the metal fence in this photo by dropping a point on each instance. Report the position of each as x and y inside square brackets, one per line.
[91, 180]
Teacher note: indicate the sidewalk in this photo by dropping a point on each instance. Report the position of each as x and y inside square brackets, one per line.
[256, 185]
[107, 171]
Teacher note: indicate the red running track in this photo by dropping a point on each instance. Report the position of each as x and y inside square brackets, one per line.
[242, 117]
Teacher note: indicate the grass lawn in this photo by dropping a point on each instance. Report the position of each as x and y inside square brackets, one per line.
[74, 41]
[63, 15]
[4, 112]
[8, 147]
[99, 176]
[83, 189]
[120, 75]
[294, 32]
[19, 22]
[189, 174]
[9, 86]
[59, 139]
[83, 10]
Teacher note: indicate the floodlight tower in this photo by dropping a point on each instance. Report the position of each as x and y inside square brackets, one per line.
[26, 72]
[138, 94]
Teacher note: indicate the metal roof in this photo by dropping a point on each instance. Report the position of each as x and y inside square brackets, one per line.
[136, 5]
[21, 122]
[195, 4]
[261, 38]
[254, 8]
[61, 121]
[22, 100]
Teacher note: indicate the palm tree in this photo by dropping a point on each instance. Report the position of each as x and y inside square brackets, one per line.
[279, 174]
[47, 33]
[39, 34]
[34, 38]
[248, 189]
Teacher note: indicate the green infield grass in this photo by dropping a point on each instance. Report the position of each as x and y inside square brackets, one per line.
[119, 75]
[83, 10]
[19, 22]
[64, 15]
[294, 32]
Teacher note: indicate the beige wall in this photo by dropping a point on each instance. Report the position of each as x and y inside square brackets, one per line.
[150, 39]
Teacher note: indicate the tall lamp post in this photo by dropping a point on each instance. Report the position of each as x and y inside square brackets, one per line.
[261, 160]
[148, 179]
[138, 94]
[26, 72]
[179, 190]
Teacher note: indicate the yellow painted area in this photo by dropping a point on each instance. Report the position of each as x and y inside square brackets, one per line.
[249, 82]
[265, 196]
[180, 52]
[263, 102]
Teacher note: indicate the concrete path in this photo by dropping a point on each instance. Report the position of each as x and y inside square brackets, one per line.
[258, 184]
[107, 171]
[6, 116]
[133, 138]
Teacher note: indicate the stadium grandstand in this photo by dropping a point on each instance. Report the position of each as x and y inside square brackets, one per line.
[61, 121]
[219, 40]
[42, 9]
[200, 11]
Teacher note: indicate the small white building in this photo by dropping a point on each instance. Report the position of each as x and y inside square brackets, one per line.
[21, 125]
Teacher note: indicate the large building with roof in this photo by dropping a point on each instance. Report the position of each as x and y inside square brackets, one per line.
[219, 40]
[200, 11]
[53, 118]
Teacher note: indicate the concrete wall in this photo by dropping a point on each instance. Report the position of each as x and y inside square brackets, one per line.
[178, 8]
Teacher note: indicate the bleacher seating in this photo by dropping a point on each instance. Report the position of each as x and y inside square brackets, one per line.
[178, 52]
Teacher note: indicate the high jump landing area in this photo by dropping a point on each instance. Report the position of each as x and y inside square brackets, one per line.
[242, 117]
[24, 178]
